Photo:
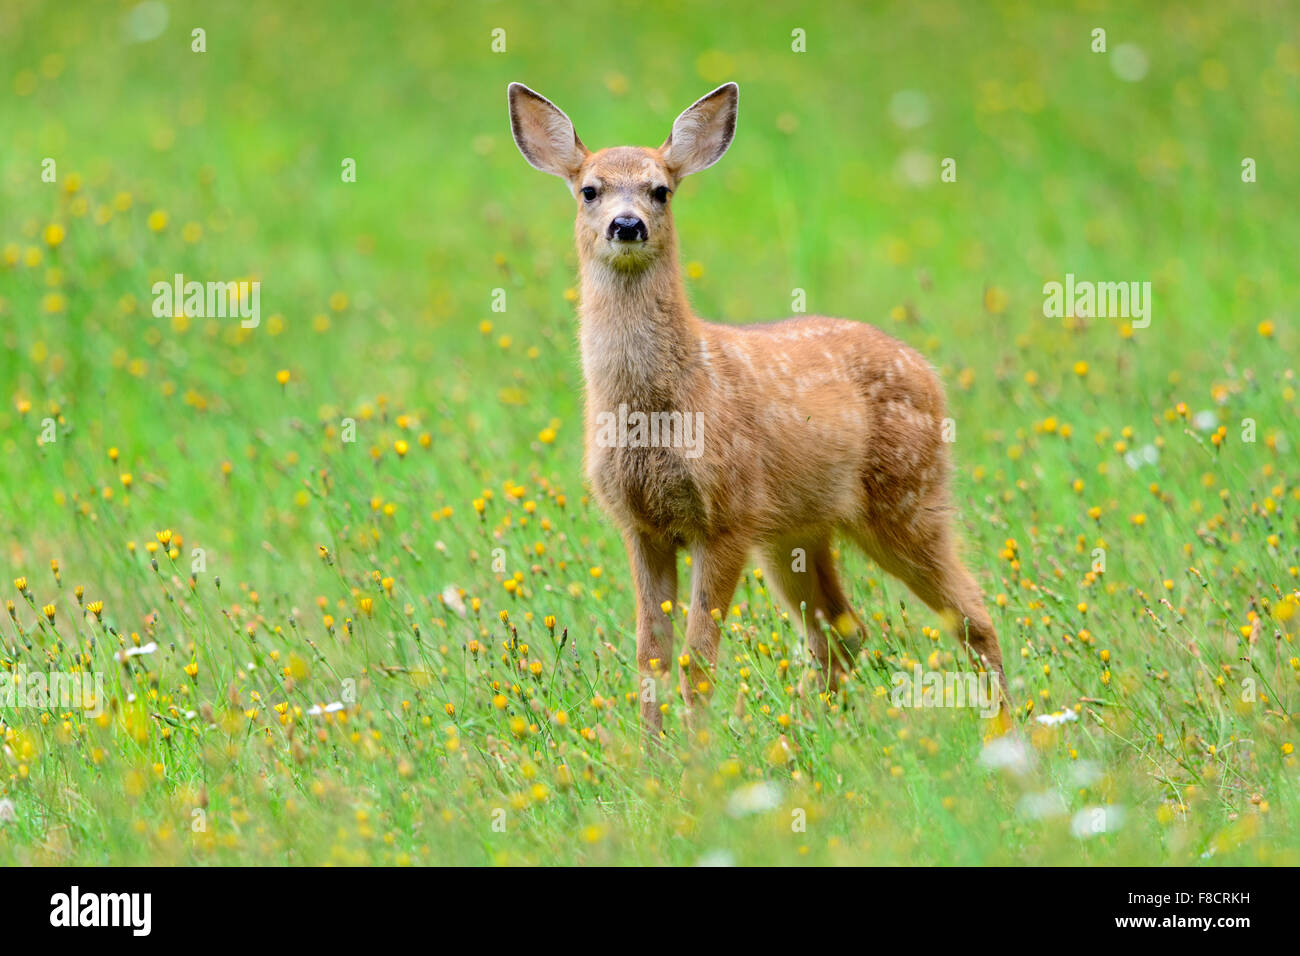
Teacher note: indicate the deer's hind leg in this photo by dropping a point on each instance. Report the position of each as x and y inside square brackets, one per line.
[802, 571]
[920, 549]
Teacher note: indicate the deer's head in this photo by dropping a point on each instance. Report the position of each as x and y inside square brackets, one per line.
[623, 193]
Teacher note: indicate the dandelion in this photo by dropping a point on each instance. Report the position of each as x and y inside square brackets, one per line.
[282, 377]
[157, 221]
[54, 235]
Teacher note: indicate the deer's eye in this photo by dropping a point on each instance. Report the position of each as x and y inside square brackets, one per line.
[588, 193]
[660, 193]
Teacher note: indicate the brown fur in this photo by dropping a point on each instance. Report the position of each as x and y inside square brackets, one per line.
[811, 427]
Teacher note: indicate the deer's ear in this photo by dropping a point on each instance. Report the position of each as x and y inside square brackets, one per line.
[702, 133]
[544, 134]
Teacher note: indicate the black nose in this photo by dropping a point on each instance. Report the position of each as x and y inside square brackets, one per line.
[627, 228]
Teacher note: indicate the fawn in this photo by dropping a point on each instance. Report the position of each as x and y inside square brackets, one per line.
[805, 428]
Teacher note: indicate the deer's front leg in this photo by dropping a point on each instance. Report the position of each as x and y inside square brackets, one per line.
[654, 573]
[716, 567]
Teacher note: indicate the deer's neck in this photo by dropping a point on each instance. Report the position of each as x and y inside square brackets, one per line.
[639, 338]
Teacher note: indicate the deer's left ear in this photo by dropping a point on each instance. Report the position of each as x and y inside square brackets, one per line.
[702, 133]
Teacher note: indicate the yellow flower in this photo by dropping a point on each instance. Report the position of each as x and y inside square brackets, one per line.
[157, 220]
[282, 376]
[1081, 368]
[54, 234]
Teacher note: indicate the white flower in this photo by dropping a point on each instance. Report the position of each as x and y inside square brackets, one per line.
[7, 814]
[1205, 421]
[1084, 773]
[316, 710]
[149, 648]
[754, 798]
[1093, 821]
[717, 858]
[1039, 806]
[1146, 455]
[1059, 717]
[451, 597]
[1007, 753]
[1129, 62]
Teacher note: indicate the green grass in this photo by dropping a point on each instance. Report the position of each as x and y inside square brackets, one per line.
[376, 299]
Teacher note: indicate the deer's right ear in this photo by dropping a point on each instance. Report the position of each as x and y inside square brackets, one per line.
[544, 134]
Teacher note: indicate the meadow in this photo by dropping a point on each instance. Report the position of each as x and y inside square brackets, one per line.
[345, 593]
